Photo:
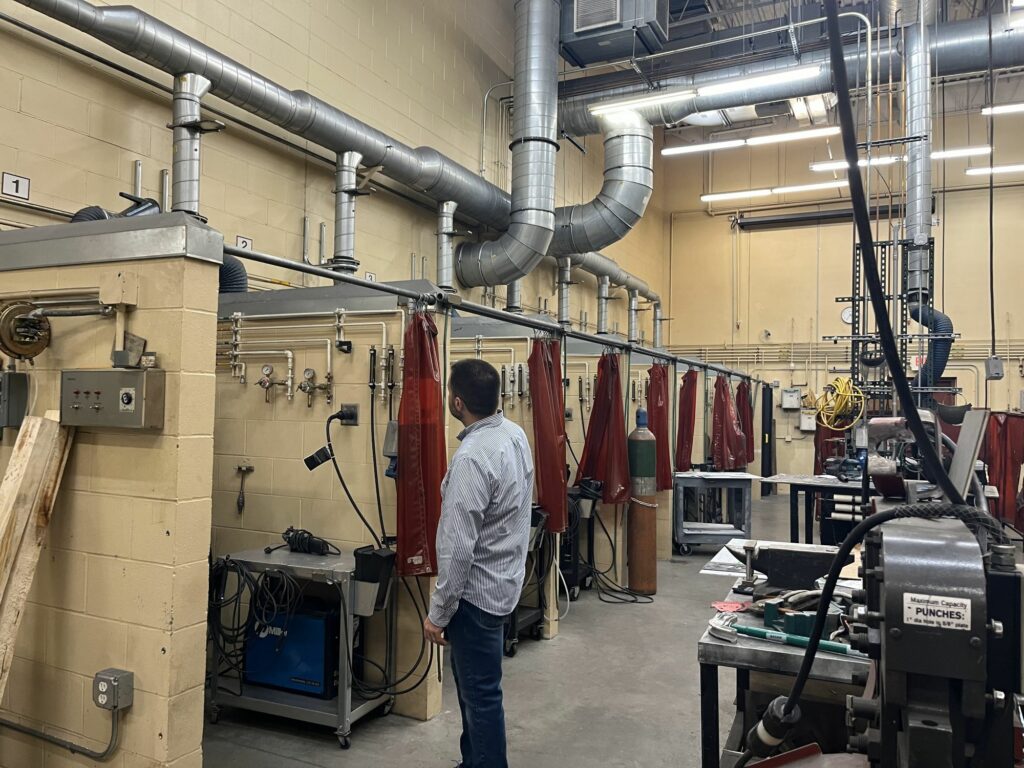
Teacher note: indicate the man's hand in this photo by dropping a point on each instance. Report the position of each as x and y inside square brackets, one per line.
[433, 633]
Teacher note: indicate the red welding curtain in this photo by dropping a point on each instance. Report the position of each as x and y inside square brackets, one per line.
[1003, 451]
[421, 450]
[745, 409]
[728, 443]
[604, 452]
[687, 419]
[548, 398]
[657, 416]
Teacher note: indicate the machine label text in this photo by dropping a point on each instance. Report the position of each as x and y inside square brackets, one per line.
[937, 611]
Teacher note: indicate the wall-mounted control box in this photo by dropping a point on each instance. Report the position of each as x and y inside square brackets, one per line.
[13, 399]
[125, 398]
[791, 399]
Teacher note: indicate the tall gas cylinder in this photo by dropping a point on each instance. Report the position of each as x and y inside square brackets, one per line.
[642, 520]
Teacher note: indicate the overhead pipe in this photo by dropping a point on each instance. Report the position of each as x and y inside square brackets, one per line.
[564, 281]
[445, 245]
[625, 193]
[189, 90]
[956, 48]
[345, 193]
[534, 144]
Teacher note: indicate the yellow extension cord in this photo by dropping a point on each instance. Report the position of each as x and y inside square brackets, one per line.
[840, 405]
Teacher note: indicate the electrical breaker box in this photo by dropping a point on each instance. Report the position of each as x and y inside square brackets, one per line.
[123, 398]
[791, 399]
[808, 421]
[13, 399]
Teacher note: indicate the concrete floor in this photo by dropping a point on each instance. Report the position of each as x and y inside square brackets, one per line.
[618, 687]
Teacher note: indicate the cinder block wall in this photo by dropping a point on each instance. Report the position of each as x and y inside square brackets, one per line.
[122, 580]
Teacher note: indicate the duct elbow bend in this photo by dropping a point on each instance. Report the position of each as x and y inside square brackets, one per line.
[507, 259]
[938, 349]
[625, 193]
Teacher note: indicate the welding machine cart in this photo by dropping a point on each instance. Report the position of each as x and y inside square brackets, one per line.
[526, 618]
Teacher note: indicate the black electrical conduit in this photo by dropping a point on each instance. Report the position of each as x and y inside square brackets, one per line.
[70, 746]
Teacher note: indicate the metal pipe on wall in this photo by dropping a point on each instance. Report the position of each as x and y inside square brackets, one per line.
[564, 281]
[633, 334]
[603, 284]
[656, 328]
[189, 90]
[445, 245]
[514, 297]
[345, 192]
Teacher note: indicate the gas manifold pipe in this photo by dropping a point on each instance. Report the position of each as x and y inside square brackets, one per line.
[642, 521]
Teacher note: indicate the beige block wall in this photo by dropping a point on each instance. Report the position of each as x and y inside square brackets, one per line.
[730, 287]
[122, 579]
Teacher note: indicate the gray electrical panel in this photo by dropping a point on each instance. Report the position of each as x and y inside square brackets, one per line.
[13, 399]
[605, 30]
[125, 398]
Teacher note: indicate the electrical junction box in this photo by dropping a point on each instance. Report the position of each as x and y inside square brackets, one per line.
[808, 421]
[994, 368]
[791, 399]
[122, 398]
[14, 388]
[607, 30]
[113, 689]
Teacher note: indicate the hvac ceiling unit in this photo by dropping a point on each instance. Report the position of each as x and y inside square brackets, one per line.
[594, 31]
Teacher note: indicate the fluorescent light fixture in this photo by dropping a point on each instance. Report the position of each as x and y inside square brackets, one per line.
[1003, 109]
[839, 184]
[993, 169]
[946, 154]
[775, 78]
[688, 149]
[716, 196]
[778, 138]
[840, 165]
[1017, 4]
[650, 100]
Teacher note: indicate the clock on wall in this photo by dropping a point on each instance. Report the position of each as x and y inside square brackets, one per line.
[847, 316]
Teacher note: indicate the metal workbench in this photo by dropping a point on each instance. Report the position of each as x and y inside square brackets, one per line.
[812, 486]
[735, 493]
[345, 709]
[748, 655]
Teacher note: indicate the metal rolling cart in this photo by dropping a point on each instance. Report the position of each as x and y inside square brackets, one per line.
[526, 618]
[324, 576]
[707, 489]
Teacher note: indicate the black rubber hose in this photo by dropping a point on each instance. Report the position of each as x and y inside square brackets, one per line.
[233, 276]
[90, 213]
[938, 349]
[926, 450]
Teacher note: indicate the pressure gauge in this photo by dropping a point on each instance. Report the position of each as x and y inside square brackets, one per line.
[267, 370]
[847, 315]
[309, 374]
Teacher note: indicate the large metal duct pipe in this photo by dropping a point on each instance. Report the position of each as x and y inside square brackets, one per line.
[656, 325]
[345, 193]
[634, 317]
[919, 150]
[602, 303]
[956, 48]
[187, 137]
[628, 184]
[564, 281]
[514, 297]
[446, 246]
[534, 144]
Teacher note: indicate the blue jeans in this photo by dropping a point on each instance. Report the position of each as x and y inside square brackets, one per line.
[476, 645]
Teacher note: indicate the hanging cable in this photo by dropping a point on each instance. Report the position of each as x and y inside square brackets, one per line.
[925, 447]
[373, 441]
[344, 485]
[840, 405]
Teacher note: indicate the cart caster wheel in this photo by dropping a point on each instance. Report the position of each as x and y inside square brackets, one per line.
[344, 742]
[574, 594]
[386, 709]
[685, 549]
[511, 648]
[536, 632]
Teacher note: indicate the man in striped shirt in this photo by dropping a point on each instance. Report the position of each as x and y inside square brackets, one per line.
[481, 550]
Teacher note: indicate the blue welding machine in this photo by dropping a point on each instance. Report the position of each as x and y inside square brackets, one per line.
[297, 652]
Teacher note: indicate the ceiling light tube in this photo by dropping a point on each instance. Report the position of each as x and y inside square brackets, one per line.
[840, 165]
[716, 196]
[760, 81]
[651, 100]
[993, 169]
[711, 146]
[1003, 109]
[839, 184]
[946, 154]
[778, 138]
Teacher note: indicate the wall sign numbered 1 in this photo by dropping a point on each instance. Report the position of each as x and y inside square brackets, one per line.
[15, 186]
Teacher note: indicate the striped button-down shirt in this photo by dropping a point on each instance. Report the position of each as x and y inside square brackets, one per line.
[485, 520]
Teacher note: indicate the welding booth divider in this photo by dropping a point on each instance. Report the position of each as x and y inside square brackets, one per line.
[548, 398]
[1003, 451]
[422, 456]
[604, 451]
[728, 443]
[745, 410]
[657, 415]
[687, 416]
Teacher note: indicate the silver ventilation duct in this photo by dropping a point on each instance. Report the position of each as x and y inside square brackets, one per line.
[445, 246]
[534, 144]
[186, 109]
[633, 334]
[602, 303]
[514, 297]
[627, 188]
[345, 193]
[956, 48]
[564, 281]
[656, 325]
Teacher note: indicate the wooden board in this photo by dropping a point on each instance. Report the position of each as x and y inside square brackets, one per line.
[27, 496]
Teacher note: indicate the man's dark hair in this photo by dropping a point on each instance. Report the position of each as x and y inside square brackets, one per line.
[478, 384]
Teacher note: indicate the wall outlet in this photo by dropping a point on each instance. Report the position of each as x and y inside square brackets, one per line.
[568, 414]
[113, 689]
[348, 415]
